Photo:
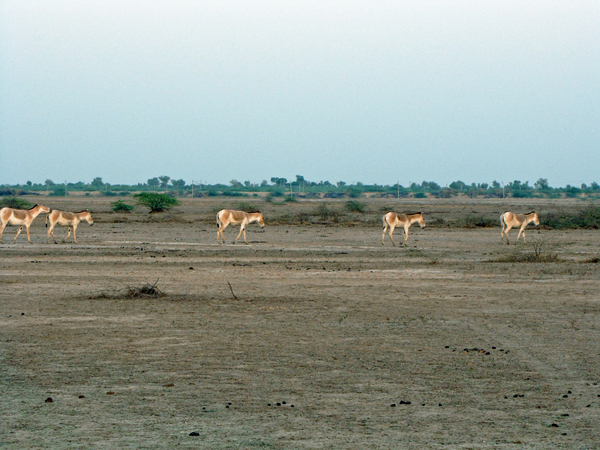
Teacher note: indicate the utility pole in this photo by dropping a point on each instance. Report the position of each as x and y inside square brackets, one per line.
[65, 188]
[398, 189]
[192, 188]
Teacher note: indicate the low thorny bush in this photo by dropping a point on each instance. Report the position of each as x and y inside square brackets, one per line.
[120, 206]
[15, 202]
[539, 254]
[586, 218]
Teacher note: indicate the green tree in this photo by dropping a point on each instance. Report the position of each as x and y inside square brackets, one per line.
[164, 181]
[97, 183]
[541, 184]
[458, 185]
[153, 182]
[178, 184]
[156, 202]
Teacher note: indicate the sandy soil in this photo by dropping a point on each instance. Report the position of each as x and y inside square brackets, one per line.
[311, 336]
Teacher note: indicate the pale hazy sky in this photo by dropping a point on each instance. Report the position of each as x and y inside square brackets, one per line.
[369, 91]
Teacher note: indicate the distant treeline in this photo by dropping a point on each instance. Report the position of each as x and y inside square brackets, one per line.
[279, 187]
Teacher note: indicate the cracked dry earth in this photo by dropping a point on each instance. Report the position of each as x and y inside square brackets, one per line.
[307, 337]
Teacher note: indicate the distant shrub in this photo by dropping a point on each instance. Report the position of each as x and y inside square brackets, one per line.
[325, 213]
[247, 207]
[420, 195]
[110, 193]
[302, 218]
[354, 193]
[586, 218]
[120, 206]
[156, 202]
[15, 202]
[522, 194]
[538, 255]
[437, 222]
[355, 206]
[444, 193]
[333, 194]
[478, 222]
[572, 192]
[291, 199]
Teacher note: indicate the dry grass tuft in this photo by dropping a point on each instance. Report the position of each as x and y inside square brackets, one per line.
[147, 290]
[538, 255]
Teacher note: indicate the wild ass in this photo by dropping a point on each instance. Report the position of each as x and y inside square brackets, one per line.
[509, 220]
[392, 220]
[68, 219]
[226, 217]
[22, 217]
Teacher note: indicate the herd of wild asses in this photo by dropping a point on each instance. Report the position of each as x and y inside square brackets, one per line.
[25, 217]
[225, 217]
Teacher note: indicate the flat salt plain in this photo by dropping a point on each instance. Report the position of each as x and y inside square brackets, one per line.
[313, 335]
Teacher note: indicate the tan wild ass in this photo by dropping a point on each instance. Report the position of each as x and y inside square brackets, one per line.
[22, 217]
[68, 219]
[392, 220]
[509, 220]
[227, 216]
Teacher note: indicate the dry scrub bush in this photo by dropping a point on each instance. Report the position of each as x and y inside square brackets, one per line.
[538, 254]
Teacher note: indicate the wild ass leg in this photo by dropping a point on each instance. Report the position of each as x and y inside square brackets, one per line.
[18, 232]
[68, 234]
[506, 230]
[406, 227]
[392, 228]
[522, 231]
[49, 232]
[385, 227]
[220, 228]
[242, 230]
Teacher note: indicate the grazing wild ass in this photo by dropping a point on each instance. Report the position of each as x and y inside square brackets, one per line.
[22, 217]
[509, 220]
[227, 216]
[392, 220]
[68, 219]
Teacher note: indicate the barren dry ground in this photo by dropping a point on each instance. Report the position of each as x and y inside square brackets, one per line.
[310, 336]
